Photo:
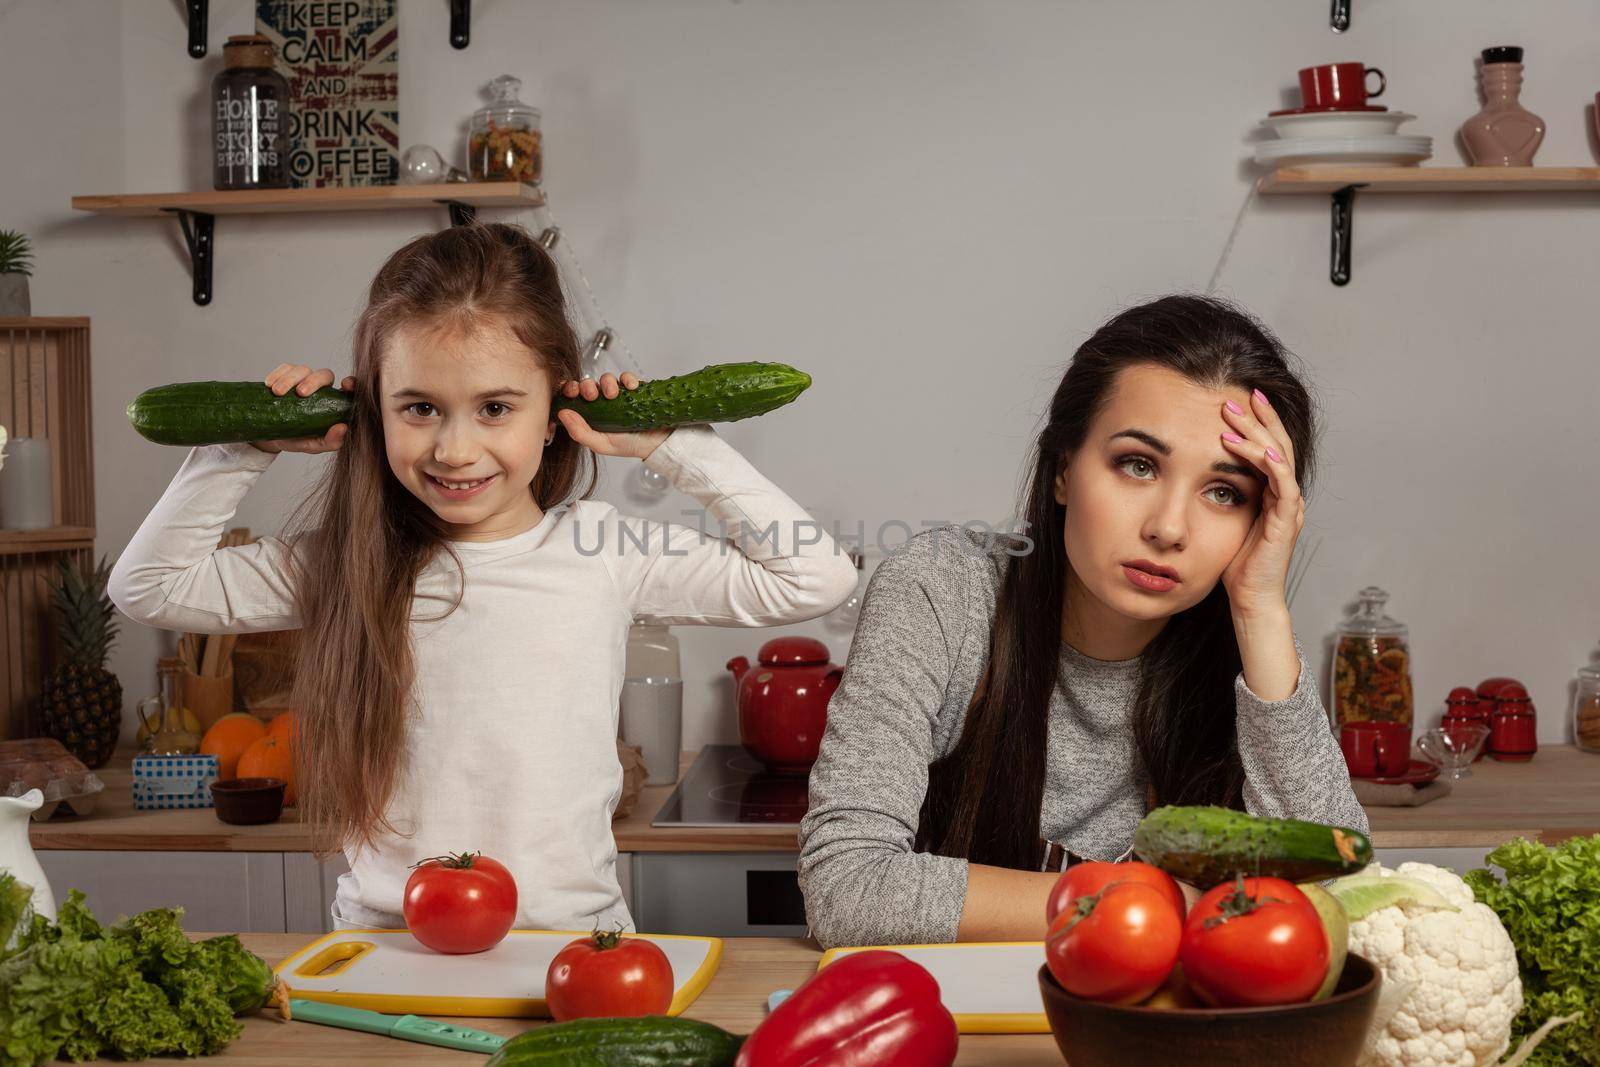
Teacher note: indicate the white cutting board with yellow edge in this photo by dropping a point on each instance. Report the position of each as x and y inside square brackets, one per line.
[390, 971]
[990, 987]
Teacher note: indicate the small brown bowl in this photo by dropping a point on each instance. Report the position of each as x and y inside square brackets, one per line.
[1322, 1033]
[249, 801]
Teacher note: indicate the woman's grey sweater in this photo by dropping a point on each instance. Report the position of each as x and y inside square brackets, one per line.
[920, 648]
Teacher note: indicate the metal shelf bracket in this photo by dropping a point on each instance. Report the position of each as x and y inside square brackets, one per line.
[197, 27]
[1339, 17]
[460, 23]
[1344, 209]
[198, 231]
[461, 214]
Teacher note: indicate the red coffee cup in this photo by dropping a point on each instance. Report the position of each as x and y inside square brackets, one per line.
[1376, 749]
[1339, 85]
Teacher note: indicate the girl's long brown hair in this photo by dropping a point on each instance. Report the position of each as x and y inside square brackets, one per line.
[983, 799]
[365, 538]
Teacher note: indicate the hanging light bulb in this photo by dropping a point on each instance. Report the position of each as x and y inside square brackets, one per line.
[423, 165]
[843, 618]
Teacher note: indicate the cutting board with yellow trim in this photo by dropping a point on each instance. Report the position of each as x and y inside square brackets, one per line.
[390, 971]
[990, 987]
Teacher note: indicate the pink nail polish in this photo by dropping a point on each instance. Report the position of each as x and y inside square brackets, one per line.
[1235, 408]
[1232, 437]
[1272, 454]
[1259, 395]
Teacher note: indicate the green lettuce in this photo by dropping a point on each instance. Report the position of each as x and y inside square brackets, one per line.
[1549, 902]
[73, 989]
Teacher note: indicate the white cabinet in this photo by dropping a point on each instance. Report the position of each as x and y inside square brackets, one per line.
[221, 892]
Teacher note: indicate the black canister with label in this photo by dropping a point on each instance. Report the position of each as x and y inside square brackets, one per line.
[250, 118]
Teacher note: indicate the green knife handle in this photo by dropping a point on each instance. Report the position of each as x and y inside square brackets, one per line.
[431, 1032]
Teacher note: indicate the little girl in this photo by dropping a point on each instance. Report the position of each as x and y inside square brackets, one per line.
[464, 624]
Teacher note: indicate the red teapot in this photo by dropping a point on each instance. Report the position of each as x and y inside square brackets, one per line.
[783, 704]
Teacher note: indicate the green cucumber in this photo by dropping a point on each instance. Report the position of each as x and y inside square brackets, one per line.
[210, 413]
[214, 413]
[1209, 846]
[723, 392]
[650, 1041]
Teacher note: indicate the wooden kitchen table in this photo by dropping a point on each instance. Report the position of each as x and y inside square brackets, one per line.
[751, 969]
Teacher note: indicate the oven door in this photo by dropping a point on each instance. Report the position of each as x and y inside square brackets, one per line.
[717, 894]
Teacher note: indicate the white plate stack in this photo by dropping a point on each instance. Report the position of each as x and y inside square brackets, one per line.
[1341, 137]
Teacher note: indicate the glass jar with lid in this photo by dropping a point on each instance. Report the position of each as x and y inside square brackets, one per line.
[1371, 665]
[249, 117]
[1586, 709]
[505, 144]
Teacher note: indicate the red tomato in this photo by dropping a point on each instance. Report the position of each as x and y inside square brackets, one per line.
[1088, 878]
[607, 976]
[460, 903]
[1254, 942]
[1117, 945]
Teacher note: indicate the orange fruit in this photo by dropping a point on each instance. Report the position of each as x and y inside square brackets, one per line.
[228, 739]
[285, 726]
[269, 757]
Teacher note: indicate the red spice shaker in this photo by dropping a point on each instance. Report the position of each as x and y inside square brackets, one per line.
[1461, 709]
[1488, 700]
[1513, 733]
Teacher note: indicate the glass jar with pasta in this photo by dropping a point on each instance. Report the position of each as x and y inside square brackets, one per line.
[1371, 665]
[505, 144]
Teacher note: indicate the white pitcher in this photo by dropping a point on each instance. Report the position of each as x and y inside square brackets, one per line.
[16, 852]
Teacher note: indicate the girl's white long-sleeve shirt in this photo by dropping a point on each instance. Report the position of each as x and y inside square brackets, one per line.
[511, 741]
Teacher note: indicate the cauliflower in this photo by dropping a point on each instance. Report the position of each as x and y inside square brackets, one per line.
[1454, 974]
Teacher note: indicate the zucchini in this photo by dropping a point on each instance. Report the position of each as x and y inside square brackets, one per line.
[1208, 846]
[650, 1041]
[723, 392]
[213, 413]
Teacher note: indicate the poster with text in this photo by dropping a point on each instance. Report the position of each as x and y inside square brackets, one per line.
[342, 59]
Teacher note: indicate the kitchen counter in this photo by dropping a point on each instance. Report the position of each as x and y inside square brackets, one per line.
[751, 969]
[1554, 796]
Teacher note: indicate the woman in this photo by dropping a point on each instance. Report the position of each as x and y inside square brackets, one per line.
[1013, 704]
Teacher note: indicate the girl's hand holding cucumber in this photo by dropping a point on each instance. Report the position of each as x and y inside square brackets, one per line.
[638, 444]
[303, 381]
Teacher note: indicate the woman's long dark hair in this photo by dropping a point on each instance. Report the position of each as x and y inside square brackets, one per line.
[983, 799]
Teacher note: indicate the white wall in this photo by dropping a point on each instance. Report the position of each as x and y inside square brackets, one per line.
[927, 204]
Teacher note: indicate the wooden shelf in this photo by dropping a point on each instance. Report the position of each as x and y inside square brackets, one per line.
[50, 539]
[284, 201]
[1342, 183]
[197, 211]
[1326, 178]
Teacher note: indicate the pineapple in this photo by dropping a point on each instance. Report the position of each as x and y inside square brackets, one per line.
[82, 702]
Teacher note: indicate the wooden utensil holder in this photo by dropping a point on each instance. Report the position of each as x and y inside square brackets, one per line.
[209, 697]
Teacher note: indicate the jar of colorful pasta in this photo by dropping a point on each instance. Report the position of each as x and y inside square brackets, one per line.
[505, 144]
[1371, 665]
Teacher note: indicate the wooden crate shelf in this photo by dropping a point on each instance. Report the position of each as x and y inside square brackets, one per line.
[44, 392]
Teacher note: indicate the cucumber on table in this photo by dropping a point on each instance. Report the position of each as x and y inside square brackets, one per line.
[214, 413]
[650, 1041]
[211, 413]
[1207, 846]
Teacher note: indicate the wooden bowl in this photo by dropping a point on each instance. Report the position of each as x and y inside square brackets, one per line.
[249, 801]
[1323, 1033]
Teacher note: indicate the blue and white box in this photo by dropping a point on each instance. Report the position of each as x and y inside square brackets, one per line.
[173, 782]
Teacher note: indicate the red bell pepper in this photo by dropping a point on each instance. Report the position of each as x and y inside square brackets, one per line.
[866, 1009]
